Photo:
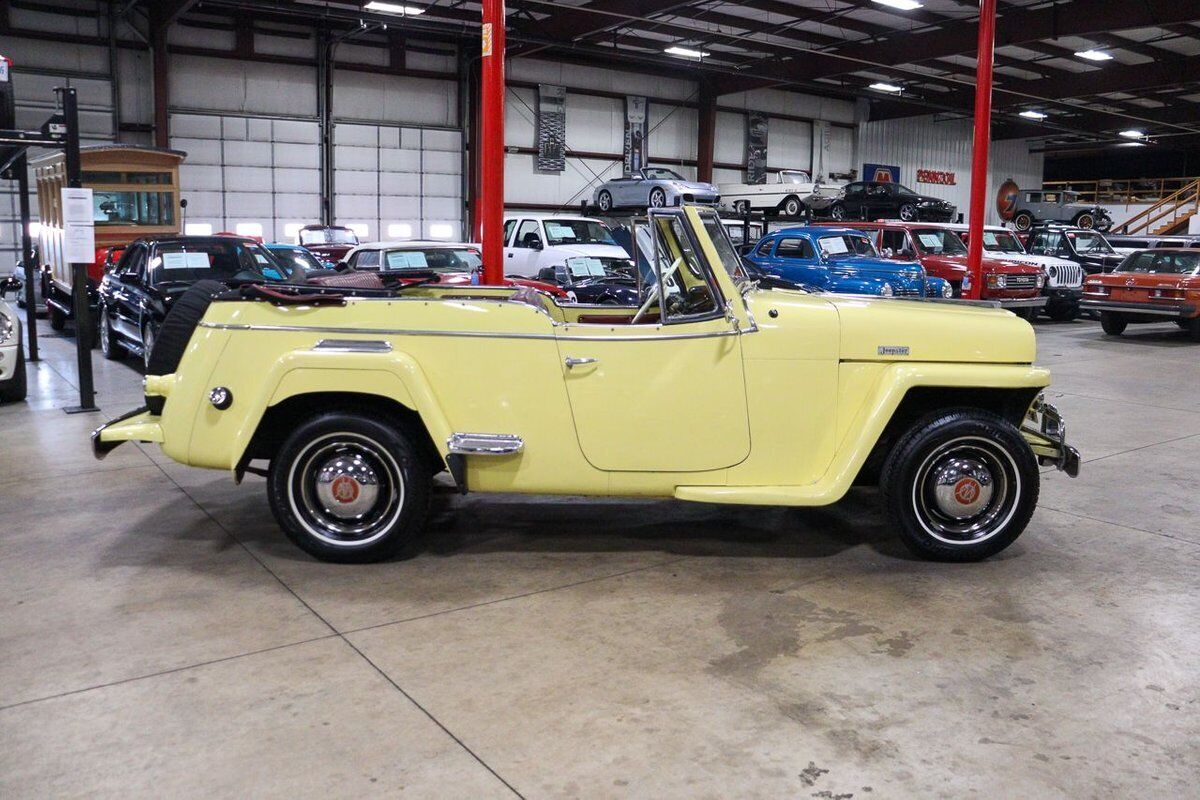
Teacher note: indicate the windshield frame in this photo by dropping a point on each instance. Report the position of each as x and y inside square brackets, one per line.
[289, 272]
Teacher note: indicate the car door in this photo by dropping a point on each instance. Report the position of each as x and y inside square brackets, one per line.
[795, 259]
[130, 295]
[523, 259]
[894, 244]
[881, 201]
[629, 191]
[669, 397]
[853, 200]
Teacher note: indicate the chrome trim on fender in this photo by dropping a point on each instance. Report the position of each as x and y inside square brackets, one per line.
[648, 337]
[354, 345]
[485, 444]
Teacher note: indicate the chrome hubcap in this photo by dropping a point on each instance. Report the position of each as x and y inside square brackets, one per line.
[346, 489]
[966, 490]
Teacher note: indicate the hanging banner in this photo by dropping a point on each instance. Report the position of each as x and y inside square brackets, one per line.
[756, 148]
[637, 131]
[551, 128]
[883, 173]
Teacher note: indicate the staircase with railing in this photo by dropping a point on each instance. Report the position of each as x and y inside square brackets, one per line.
[1169, 215]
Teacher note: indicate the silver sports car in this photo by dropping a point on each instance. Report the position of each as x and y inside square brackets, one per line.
[652, 187]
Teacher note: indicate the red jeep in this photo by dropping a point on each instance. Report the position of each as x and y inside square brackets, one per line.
[1016, 287]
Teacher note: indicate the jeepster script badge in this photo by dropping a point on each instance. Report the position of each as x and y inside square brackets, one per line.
[893, 350]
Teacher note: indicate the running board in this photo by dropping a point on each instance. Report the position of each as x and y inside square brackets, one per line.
[485, 444]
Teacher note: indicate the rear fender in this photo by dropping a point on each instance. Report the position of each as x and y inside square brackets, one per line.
[394, 376]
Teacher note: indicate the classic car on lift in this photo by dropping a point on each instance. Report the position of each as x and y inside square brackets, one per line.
[1064, 207]
[788, 192]
[1064, 278]
[652, 187]
[348, 405]
[842, 260]
[137, 293]
[1016, 287]
[867, 200]
[1150, 286]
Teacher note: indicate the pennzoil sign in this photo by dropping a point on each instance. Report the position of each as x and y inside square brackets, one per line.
[936, 176]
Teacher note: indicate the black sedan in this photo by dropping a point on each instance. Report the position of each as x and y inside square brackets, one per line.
[868, 200]
[136, 294]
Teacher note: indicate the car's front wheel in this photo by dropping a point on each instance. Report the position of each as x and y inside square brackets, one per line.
[1113, 324]
[604, 201]
[351, 489]
[792, 207]
[1023, 221]
[1085, 219]
[657, 198]
[961, 484]
[908, 212]
[837, 211]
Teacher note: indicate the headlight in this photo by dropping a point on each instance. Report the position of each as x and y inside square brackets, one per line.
[7, 327]
[947, 290]
[886, 291]
[995, 281]
[1053, 271]
[1041, 280]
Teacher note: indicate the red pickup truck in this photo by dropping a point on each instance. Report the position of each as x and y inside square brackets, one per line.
[1016, 287]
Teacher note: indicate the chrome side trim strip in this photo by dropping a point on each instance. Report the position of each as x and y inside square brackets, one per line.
[485, 444]
[354, 345]
[473, 334]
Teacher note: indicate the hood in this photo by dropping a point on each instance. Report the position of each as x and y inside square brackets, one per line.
[945, 264]
[1032, 260]
[697, 186]
[924, 198]
[958, 263]
[931, 332]
[590, 251]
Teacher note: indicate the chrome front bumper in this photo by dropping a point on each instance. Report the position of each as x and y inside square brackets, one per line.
[1046, 434]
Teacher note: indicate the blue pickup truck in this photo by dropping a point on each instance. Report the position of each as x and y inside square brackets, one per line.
[841, 260]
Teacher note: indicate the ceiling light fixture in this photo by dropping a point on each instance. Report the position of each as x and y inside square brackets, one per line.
[887, 87]
[1031, 114]
[1094, 55]
[394, 8]
[685, 52]
[1133, 134]
[903, 5]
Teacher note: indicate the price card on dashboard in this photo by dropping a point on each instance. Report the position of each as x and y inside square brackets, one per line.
[185, 260]
[931, 240]
[406, 259]
[834, 245]
[989, 239]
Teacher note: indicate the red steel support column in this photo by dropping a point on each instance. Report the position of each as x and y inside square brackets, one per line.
[983, 135]
[491, 143]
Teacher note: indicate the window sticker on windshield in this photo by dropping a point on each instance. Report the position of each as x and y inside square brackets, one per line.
[585, 267]
[185, 260]
[932, 240]
[834, 245]
[556, 230]
[406, 259]
[989, 239]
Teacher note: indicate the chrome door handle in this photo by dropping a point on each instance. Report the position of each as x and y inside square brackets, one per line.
[575, 362]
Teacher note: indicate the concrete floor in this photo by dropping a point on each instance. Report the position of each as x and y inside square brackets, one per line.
[159, 636]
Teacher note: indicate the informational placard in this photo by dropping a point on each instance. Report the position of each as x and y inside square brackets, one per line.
[834, 246]
[185, 260]
[406, 259]
[931, 240]
[79, 228]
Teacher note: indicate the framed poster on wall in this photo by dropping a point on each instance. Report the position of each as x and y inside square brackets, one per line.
[637, 131]
[756, 148]
[551, 128]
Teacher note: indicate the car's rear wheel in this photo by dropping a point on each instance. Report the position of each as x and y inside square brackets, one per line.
[792, 207]
[1085, 219]
[742, 207]
[1023, 221]
[837, 211]
[908, 212]
[962, 485]
[1113, 324]
[657, 198]
[350, 488]
[58, 320]
[604, 201]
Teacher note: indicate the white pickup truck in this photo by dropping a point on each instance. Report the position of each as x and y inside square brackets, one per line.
[788, 191]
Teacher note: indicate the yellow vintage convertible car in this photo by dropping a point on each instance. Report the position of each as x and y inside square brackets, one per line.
[715, 389]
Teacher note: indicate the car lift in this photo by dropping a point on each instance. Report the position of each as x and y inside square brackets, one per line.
[60, 132]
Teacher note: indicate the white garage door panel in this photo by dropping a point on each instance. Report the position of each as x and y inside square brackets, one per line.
[400, 208]
[233, 129]
[432, 139]
[355, 157]
[198, 177]
[286, 130]
[841, 150]
[357, 206]
[361, 135]
[442, 185]
[253, 205]
[205, 204]
[199, 151]
[400, 184]
[248, 154]
[187, 126]
[305, 181]
[249, 179]
[442, 209]
[443, 163]
[400, 160]
[297, 207]
[297, 155]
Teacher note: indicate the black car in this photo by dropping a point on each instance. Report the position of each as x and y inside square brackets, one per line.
[1086, 247]
[594, 281]
[136, 294]
[867, 200]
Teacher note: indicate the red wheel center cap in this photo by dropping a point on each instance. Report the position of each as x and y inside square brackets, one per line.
[966, 491]
[345, 489]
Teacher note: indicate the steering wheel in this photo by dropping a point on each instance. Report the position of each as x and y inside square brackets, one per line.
[657, 290]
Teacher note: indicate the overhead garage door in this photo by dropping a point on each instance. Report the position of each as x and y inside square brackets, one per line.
[398, 182]
[243, 174]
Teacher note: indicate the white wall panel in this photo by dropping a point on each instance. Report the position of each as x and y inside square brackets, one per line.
[926, 143]
[394, 99]
[249, 87]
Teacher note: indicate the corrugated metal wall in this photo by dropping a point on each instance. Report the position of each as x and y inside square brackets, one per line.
[927, 143]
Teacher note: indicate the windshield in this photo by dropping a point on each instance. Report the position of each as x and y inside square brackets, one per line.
[720, 238]
[437, 259]
[793, 176]
[1087, 242]
[846, 244]
[577, 231]
[328, 236]
[998, 242]
[150, 208]
[297, 257]
[661, 174]
[1163, 263]
[933, 241]
[229, 261]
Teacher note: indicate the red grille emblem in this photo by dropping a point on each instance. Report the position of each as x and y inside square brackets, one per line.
[345, 489]
[966, 491]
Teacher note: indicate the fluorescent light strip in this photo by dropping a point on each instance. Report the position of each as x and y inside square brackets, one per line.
[1094, 55]
[394, 8]
[886, 87]
[1031, 114]
[1132, 134]
[685, 52]
[903, 5]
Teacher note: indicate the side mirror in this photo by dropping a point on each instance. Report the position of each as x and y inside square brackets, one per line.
[341, 266]
[535, 243]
